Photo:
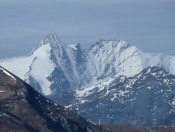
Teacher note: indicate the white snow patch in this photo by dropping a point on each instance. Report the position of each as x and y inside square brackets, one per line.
[84, 92]
[42, 66]
[7, 73]
[173, 103]
[122, 93]
[91, 122]
[82, 101]
[97, 88]
[38, 65]
[114, 97]
[68, 106]
[73, 46]
[55, 104]
[149, 87]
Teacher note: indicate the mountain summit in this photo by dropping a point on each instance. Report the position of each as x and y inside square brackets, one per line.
[55, 66]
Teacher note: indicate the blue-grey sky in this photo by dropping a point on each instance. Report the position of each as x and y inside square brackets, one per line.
[147, 24]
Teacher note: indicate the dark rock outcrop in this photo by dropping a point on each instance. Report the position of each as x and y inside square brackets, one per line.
[23, 109]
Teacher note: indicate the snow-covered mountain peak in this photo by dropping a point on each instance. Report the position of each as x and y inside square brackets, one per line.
[55, 43]
[57, 48]
[113, 58]
[120, 44]
[52, 41]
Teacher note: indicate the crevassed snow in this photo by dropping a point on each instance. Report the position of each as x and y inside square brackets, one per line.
[7, 73]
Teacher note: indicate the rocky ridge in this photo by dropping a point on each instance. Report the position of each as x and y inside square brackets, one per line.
[145, 100]
[23, 109]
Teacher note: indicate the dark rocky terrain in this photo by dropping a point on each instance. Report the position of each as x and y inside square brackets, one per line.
[145, 100]
[22, 109]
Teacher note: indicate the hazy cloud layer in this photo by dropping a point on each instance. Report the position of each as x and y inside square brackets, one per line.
[148, 24]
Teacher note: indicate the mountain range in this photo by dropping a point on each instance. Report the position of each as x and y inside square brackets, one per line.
[23, 109]
[112, 82]
[145, 100]
[54, 66]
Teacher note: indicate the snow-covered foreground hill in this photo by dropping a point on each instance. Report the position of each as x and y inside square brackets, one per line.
[53, 66]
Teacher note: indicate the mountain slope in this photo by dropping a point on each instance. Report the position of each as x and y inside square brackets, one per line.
[24, 109]
[147, 99]
[53, 66]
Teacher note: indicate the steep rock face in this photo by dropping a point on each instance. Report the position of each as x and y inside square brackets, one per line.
[24, 109]
[114, 58]
[147, 99]
[54, 67]
[79, 63]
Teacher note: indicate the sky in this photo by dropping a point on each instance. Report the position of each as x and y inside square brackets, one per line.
[146, 24]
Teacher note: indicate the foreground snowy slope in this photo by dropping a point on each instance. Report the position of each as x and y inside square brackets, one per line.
[53, 66]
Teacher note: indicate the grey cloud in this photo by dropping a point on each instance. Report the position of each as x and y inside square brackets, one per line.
[146, 24]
